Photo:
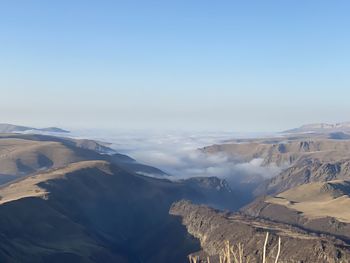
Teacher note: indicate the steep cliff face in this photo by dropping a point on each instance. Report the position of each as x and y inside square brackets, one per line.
[297, 160]
[283, 151]
[213, 228]
[306, 172]
[279, 213]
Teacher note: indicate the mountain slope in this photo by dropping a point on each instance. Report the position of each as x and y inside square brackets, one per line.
[23, 154]
[95, 211]
[299, 160]
[19, 157]
[283, 152]
[213, 228]
[320, 206]
[318, 200]
[303, 173]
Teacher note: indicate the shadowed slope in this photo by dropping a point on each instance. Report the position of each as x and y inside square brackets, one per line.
[96, 211]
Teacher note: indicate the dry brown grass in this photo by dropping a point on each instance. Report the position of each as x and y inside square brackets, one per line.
[30, 186]
[235, 253]
[316, 200]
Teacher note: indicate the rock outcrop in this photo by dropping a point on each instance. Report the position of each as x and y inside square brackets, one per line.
[213, 228]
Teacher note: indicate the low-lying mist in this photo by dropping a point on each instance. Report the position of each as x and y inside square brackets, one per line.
[178, 154]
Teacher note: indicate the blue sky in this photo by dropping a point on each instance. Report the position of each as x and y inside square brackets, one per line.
[218, 65]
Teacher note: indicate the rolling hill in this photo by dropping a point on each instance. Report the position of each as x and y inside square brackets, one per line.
[24, 154]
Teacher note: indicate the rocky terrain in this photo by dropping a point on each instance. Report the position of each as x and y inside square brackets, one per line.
[309, 194]
[306, 172]
[213, 228]
[301, 158]
[283, 152]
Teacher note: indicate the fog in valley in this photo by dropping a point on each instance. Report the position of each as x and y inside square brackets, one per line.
[179, 155]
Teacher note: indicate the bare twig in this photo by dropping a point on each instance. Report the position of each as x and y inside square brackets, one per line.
[264, 250]
[278, 250]
[240, 251]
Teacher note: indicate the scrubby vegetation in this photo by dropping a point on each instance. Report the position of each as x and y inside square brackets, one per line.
[235, 254]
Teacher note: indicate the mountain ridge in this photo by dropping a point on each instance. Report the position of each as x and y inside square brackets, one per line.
[321, 127]
[10, 128]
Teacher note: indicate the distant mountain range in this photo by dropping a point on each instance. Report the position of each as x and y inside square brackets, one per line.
[322, 127]
[9, 128]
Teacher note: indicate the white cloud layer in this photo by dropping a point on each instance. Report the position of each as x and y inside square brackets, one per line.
[177, 153]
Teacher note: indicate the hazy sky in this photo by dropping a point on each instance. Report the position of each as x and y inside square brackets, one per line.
[238, 65]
